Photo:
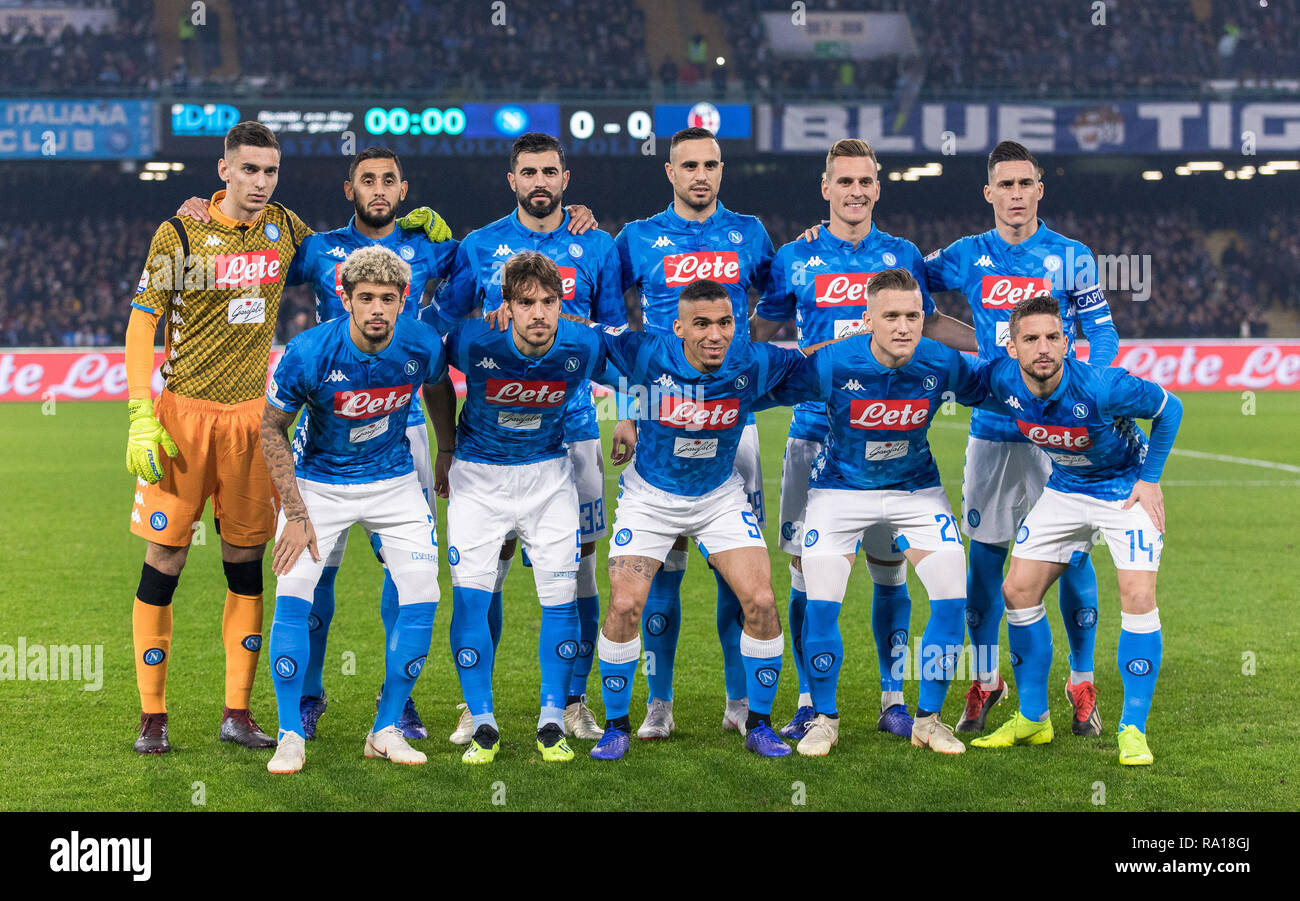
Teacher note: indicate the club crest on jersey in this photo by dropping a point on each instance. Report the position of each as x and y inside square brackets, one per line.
[1002, 292]
[898, 414]
[735, 237]
[410, 367]
[742, 382]
[930, 383]
[575, 250]
[1051, 262]
[841, 289]
[1080, 411]
[406, 252]
[521, 393]
[1056, 437]
[889, 259]
[371, 401]
[680, 269]
[572, 364]
[272, 231]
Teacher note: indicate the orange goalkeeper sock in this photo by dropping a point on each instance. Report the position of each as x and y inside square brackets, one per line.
[151, 627]
[241, 632]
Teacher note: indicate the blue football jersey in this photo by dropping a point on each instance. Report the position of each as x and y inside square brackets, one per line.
[878, 417]
[994, 276]
[589, 272]
[356, 402]
[665, 253]
[515, 406]
[691, 421]
[1087, 425]
[822, 285]
[321, 256]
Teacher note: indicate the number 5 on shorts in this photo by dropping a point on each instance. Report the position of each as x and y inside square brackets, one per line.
[748, 517]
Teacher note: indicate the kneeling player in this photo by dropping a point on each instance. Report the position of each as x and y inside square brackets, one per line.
[512, 475]
[355, 375]
[875, 481]
[1105, 477]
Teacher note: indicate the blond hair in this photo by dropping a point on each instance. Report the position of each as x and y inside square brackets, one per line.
[374, 264]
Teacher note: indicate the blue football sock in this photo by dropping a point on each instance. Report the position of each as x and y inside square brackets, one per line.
[661, 620]
[941, 647]
[762, 661]
[471, 646]
[494, 619]
[798, 604]
[984, 604]
[891, 614]
[557, 649]
[1078, 588]
[404, 658]
[1031, 659]
[289, 652]
[318, 629]
[731, 622]
[824, 653]
[388, 595]
[618, 662]
[588, 626]
[1139, 657]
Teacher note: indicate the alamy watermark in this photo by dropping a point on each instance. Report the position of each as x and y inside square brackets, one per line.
[53, 663]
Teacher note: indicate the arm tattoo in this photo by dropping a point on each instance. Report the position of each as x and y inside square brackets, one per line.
[279, 461]
[577, 319]
[645, 567]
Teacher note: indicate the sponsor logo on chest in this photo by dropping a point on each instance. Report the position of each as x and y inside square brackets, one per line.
[1002, 292]
[1056, 437]
[522, 393]
[568, 281]
[371, 401]
[899, 414]
[242, 270]
[685, 413]
[842, 289]
[695, 448]
[680, 269]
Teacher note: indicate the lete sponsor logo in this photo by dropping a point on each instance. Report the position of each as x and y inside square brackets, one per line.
[1002, 292]
[680, 269]
[568, 280]
[371, 401]
[240, 270]
[899, 414]
[683, 413]
[841, 289]
[1056, 437]
[522, 393]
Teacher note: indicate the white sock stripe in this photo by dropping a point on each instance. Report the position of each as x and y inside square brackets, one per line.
[796, 579]
[675, 562]
[1026, 617]
[503, 569]
[587, 576]
[618, 652]
[888, 575]
[761, 647]
[1140, 623]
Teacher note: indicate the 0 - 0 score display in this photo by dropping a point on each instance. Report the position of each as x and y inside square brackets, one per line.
[607, 122]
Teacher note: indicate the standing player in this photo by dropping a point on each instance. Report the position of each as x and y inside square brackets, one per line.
[511, 475]
[875, 484]
[696, 391]
[821, 283]
[356, 375]
[1105, 477]
[696, 237]
[376, 188]
[1004, 475]
[218, 286]
[589, 271]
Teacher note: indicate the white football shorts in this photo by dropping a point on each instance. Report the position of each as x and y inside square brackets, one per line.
[1061, 526]
[648, 520]
[1000, 482]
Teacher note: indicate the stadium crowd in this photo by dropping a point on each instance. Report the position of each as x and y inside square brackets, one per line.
[69, 284]
[588, 47]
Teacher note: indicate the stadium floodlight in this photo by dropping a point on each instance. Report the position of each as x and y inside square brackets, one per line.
[1229, 174]
[1279, 165]
[1266, 169]
[721, 60]
[178, 167]
[1205, 166]
[909, 175]
[1152, 175]
[1182, 170]
[157, 167]
[896, 176]
[1246, 172]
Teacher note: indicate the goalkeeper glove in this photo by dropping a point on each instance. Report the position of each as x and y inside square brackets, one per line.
[142, 458]
[427, 221]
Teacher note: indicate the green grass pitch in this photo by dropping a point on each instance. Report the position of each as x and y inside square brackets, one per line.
[1222, 725]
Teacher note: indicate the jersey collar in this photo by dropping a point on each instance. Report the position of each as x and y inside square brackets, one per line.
[1037, 237]
[364, 240]
[526, 232]
[677, 221]
[214, 210]
[829, 239]
[520, 355]
[360, 354]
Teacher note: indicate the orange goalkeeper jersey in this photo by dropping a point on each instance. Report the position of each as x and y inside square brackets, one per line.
[217, 285]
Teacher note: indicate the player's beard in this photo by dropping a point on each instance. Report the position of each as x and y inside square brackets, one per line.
[1041, 379]
[536, 206]
[374, 220]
